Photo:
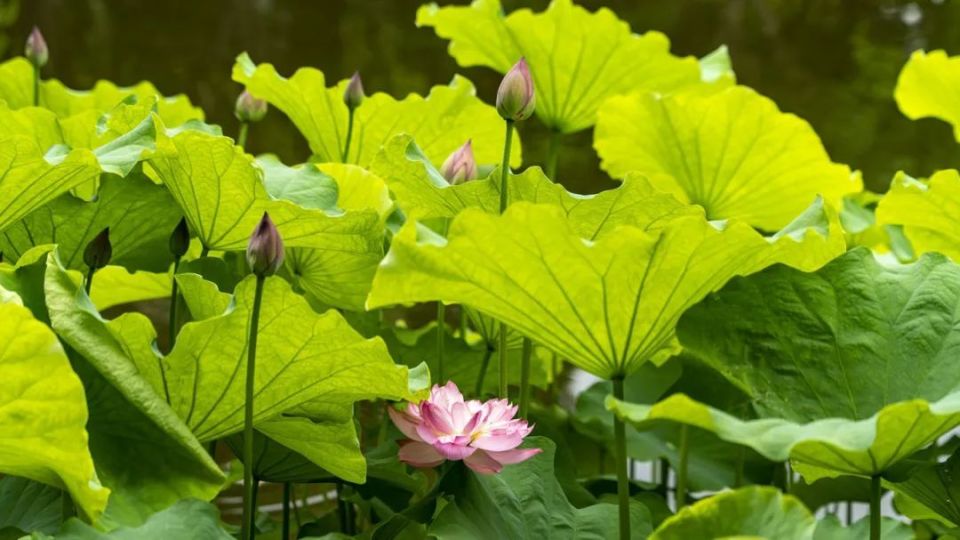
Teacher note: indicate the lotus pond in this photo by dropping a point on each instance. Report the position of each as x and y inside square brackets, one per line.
[618, 293]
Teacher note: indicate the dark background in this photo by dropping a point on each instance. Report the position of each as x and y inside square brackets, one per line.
[833, 62]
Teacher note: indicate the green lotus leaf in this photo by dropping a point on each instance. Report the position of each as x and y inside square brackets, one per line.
[751, 512]
[358, 188]
[850, 368]
[731, 152]
[43, 412]
[442, 121]
[423, 193]
[144, 452]
[859, 220]
[26, 505]
[577, 58]
[935, 487]
[16, 89]
[140, 214]
[927, 211]
[830, 528]
[186, 520]
[304, 184]
[526, 501]
[607, 304]
[115, 285]
[927, 87]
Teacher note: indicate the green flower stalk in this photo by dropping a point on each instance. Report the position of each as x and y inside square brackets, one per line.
[96, 255]
[623, 479]
[516, 101]
[179, 243]
[248, 109]
[37, 53]
[353, 96]
[264, 255]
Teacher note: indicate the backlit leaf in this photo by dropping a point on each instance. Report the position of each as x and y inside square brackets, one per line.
[927, 210]
[927, 87]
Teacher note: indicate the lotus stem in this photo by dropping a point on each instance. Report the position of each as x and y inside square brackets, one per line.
[242, 135]
[502, 356]
[463, 324]
[441, 331]
[682, 466]
[285, 531]
[504, 202]
[623, 481]
[36, 86]
[483, 370]
[553, 154]
[67, 508]
[343, 510]
[525, 377]
[88, 284]
[346, 146]
[738, 472]
[249, 488]
[876, 492]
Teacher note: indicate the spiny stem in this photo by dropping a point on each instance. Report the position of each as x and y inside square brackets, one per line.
[346, 147]
[242, 136]
[876, 493]
[525, 377]
[682, 466]
[249, 488]
[483, 370]
[504, 202]
[623, 481]
[553, 153]
[441, 334]
[285, 531]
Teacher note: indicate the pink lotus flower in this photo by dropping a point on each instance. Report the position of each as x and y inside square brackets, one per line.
[484, 435]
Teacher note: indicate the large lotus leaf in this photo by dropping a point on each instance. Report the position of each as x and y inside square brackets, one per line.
[43, 412]
[442, 121]
[303, 184]
[577, 58]
[928, 211]
[143, 451]
[751, 512]
[26, 505]
[851, 369]
[731, 152]
[935, 486]
[422, 193]
[859, 220]
[830, 528]
[608, 304]
[114, 285]
[140, 214]
[526, 501]
[927, 87]
[16, 89]
[186, 520]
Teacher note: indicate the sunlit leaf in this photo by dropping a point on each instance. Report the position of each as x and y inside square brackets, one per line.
[927, 87]
[752, 512]
[441, 122]
[927, 210]
[577, 58]
[43, 412]
[115, 285]
[732, 152]
[607, 304]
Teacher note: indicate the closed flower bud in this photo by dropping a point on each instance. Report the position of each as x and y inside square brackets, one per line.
[99, 251]
[515, 97]
[249, 108]
[36, 49]
[353, 95]
[265, 250]
[460, 167]
[180, 239]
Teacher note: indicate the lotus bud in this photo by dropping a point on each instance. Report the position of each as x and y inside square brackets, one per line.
[460, 167]
[249, 108]
[36, 49]
[265, 250]
[180, 239]
[515, 97]
[99, 251]
[353, 95]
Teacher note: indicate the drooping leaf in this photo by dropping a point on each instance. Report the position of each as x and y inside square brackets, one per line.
[751, 512]
[114, 285]
[608, 304]
[442, 121]
[26, 506]
[143, 451]
[140, 214]
[850, 368]
[186, 520]
[927, 87]
[927, 211]
[935, 486]
[577, 58]
[43, 412]
[526, 501]
[731, 152]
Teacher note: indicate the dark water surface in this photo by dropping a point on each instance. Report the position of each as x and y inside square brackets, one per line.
[833, 62]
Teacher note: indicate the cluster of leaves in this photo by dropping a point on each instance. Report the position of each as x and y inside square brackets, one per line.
[781, 339]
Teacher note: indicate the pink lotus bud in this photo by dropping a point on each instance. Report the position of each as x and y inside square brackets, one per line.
[265, 250]
[36, 49]
[353, 95]
[460, 167]
[516, 99]
[249, 108]
[484, 435]
[98, 252]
